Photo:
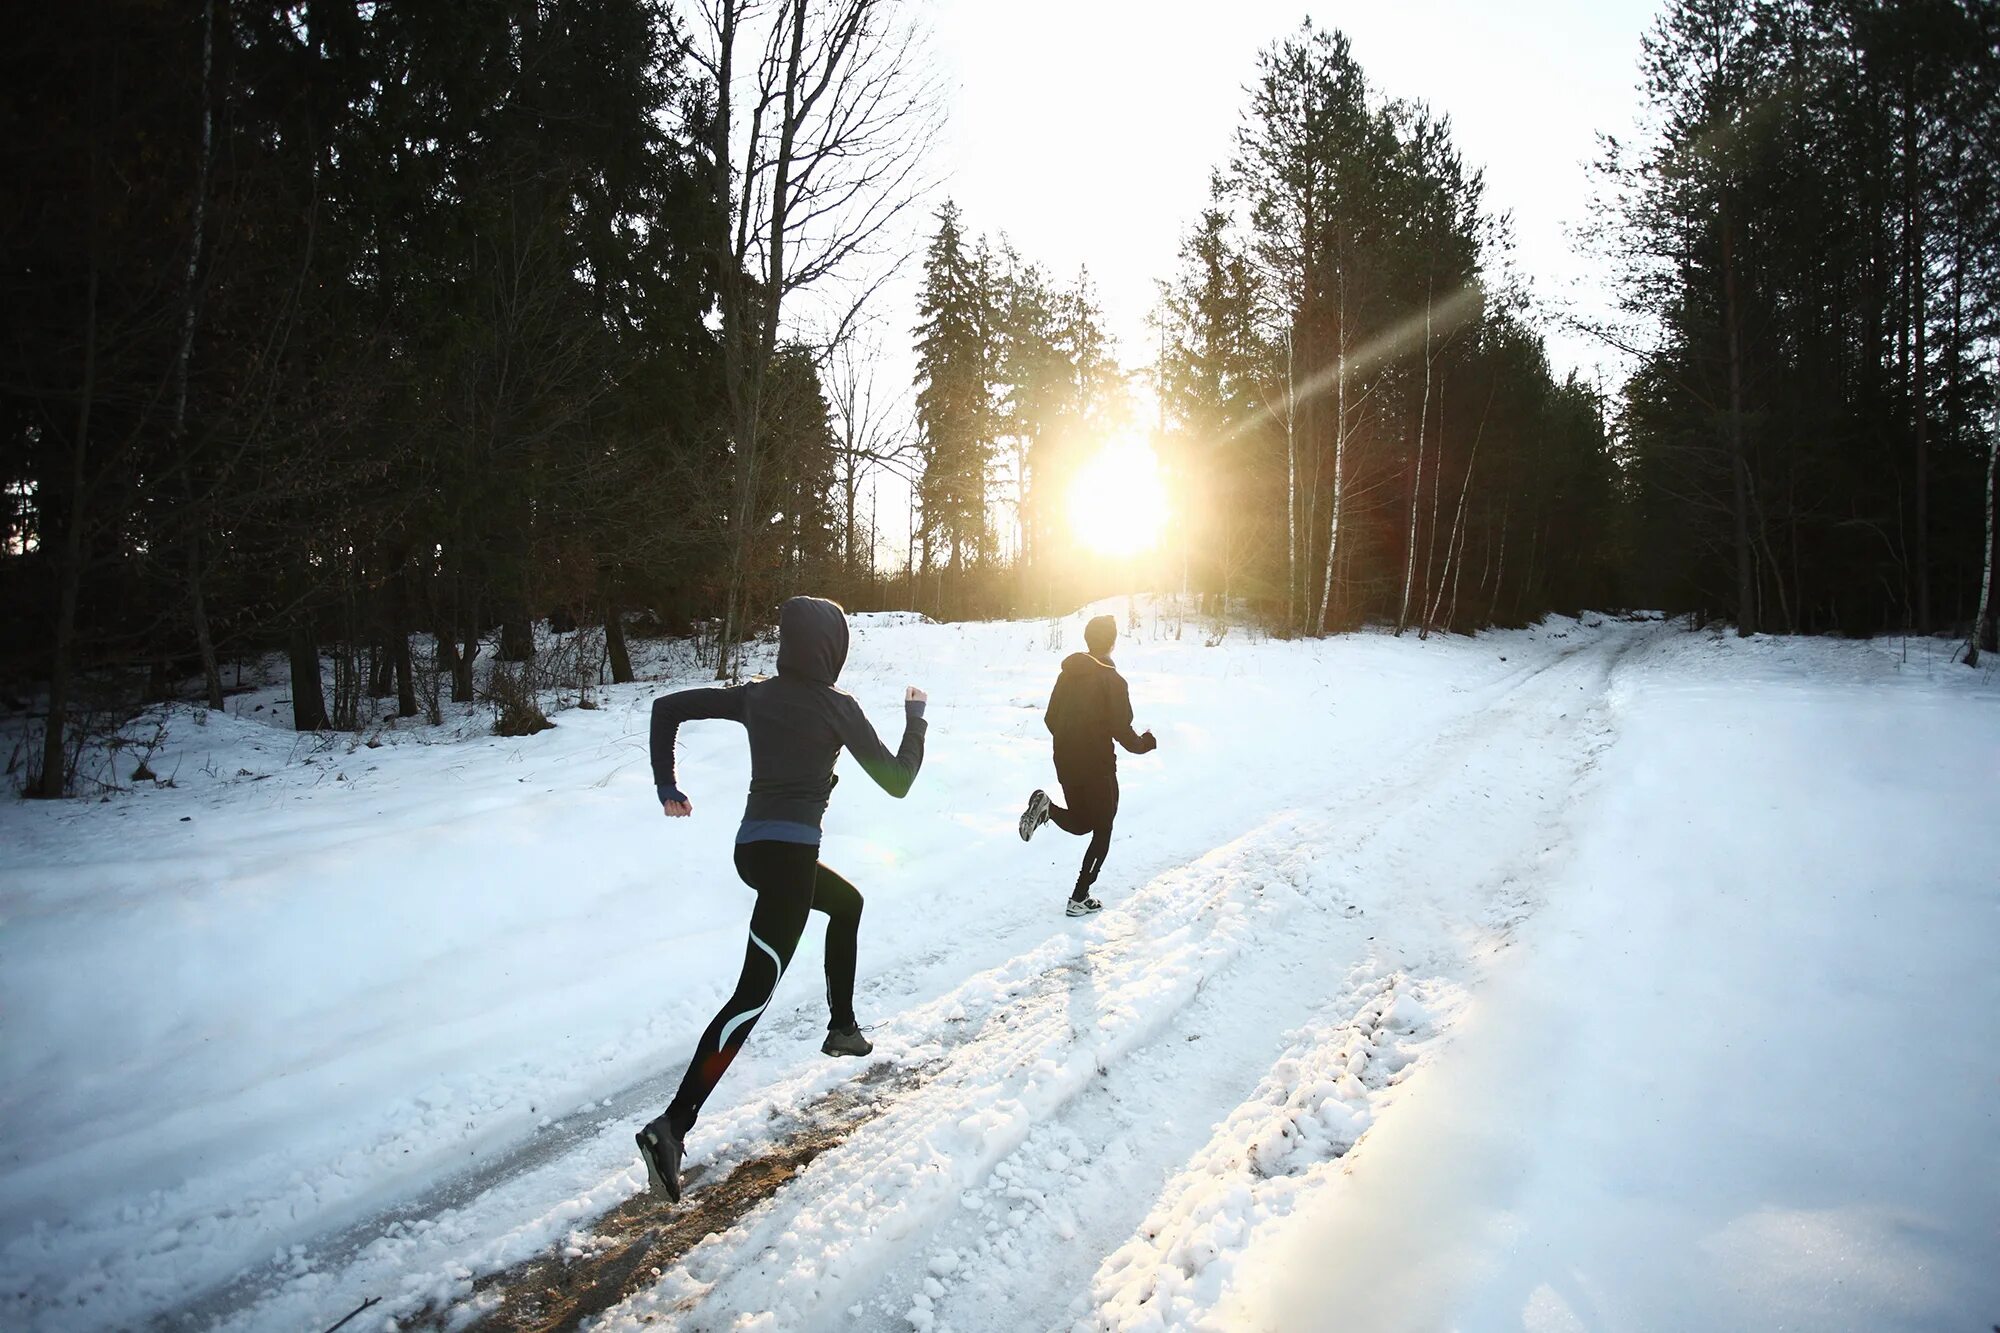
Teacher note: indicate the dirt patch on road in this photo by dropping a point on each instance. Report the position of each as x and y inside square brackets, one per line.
[629, 1247]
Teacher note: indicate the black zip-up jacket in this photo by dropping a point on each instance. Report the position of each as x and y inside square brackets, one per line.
[798, 723]
[1090, 707]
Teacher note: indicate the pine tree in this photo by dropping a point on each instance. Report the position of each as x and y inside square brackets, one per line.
[1216, 375]
[1803, 423]
[953, 398]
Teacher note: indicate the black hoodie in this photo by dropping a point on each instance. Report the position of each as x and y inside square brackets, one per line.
[1090, 707]
[798, 723]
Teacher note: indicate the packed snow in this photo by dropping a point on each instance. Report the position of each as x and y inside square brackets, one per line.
[1606, 974]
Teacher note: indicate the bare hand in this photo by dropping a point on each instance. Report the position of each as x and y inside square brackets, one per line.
[678, 809]
[913, 695]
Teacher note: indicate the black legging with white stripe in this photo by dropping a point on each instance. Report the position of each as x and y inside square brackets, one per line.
[791, 884]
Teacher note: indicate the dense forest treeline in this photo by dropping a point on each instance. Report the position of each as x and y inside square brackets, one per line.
[375, 334]
[1350, 404]
[1810, 233]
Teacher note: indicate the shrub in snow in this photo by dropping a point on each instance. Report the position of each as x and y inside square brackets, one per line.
[516, 710]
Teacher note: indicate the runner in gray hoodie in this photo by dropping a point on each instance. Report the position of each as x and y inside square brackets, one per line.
[798, 723]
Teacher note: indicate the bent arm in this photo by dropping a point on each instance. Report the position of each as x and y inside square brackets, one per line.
[1121, 721]
[670, 710]
[893, 773]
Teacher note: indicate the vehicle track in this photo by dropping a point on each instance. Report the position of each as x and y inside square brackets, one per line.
[891, 1223]
[1069, 1037]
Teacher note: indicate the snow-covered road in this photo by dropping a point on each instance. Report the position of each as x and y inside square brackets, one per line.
[1277, 987]
[392, 1015]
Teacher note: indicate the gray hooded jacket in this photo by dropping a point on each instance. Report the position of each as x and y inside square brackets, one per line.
[798, 723]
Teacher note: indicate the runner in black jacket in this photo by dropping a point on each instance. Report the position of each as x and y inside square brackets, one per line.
[798, 724]
[1089, 708]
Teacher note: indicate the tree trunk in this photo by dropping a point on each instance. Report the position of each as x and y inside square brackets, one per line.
[874, 532]
[850, 485]
[159, 681]
[1983, 624]
[1309, 469]
[1417, 487]
[1500, 562]
[734, 307]
[1913, 244]
[204, 640]
[308, 690]
[399, 644]
[1485, 553]
[1528, 579]
[197, 601]
[1291, 489]
[1921, 429]
[1746, 591]
[448, 659]
[459, 661]
[1339, 459]
[956, 609]
[461, 671]
[406, 680]
[746, 382]
[1437, 490]
[51, 783]
[614, 642]
[517, 640]
[1454, 546]
[1457, 568]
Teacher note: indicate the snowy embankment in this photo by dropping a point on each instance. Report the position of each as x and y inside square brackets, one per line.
[1664, 942]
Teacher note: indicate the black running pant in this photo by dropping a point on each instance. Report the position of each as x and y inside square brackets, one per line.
[1091, 796]
[790, 885]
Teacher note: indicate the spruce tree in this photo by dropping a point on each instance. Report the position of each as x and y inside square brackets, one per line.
[953, 399]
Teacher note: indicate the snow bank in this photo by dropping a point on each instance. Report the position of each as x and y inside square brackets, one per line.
[1741, 1072]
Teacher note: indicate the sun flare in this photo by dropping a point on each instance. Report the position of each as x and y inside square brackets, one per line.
[1118, 501]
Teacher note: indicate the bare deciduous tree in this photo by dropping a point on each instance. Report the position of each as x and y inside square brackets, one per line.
[871, 437]
[817, 146]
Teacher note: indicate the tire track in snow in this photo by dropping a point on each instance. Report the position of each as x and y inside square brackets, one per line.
[1222, 1191]
[430, 1260]
[1053, 1206]
[857, 1232]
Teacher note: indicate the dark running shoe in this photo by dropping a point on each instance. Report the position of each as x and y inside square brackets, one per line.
[1083, 907]
[1036, 815]
[662, 1152]
[845, 1041]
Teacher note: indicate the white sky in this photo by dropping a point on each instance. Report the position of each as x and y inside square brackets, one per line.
[1086, 129]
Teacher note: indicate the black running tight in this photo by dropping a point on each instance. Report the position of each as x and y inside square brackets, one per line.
[1092, 795]
[790, 885]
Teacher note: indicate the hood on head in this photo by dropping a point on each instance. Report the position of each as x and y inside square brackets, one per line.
[812, 639]
[1100, 634]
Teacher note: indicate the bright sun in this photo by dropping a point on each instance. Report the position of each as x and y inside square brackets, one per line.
[1118, 502]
